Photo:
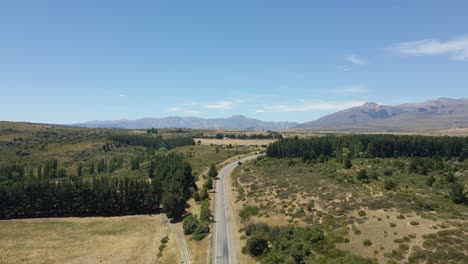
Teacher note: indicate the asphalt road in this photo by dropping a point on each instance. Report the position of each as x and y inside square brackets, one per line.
[224, 243]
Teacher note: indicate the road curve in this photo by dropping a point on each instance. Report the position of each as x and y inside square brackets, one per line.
[224, 244]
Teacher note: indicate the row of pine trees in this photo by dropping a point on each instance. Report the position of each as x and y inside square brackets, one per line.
[169, 185]
[372, 146]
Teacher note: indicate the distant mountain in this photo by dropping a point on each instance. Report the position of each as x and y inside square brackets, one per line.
[239, 122]
[442, 113]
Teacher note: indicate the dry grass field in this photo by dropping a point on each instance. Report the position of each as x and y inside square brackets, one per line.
[235, 142]
[127, 239]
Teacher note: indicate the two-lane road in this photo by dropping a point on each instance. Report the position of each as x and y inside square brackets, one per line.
[224, 243]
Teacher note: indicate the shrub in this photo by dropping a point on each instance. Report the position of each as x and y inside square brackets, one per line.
[414, 223]
[362, 175]
[190, 224]
[196, 196]
[367, 243]
[430, 181]
[201, 232]
[248, 212]
[255, 246]
[388, 172]
[162, 247]
[208, 184]
[389, 184]
[457, 193]
[164, 240]
[203, 194]
[361, 213]
[213, 172]
[347, 163]
[205, 212]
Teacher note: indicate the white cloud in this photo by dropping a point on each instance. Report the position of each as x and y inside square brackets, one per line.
[354, 59]
[122, 95]
[457, 48]
[221, 105]
[260, 111]
[308, 106]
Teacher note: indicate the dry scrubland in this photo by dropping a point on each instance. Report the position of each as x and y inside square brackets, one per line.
[415, 223]
[127, 239]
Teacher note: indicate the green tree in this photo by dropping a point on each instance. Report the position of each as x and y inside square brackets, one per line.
[208, 184]
[347, 163]
[135, 163]
[457, 193]
[39, 172]
[173, 204]
[255, 246]
[92, 168]
[463, 155]
[161, 152]
[213, 172]
[101, 166]
[79, 169]
[190, 224]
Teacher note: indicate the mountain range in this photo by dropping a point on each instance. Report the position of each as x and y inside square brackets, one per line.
[439, 114]
[239, 122]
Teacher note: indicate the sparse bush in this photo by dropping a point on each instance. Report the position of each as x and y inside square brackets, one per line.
[389, 184]
[248, 211]
[205, 213]
[388, 172]
[164, 240]
[362, 175]
[367, 243]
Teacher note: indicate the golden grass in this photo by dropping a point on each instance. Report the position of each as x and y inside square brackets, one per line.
[234, 142]
[127, 239]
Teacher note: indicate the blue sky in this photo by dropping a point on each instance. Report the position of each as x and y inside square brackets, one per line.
[74, 61]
